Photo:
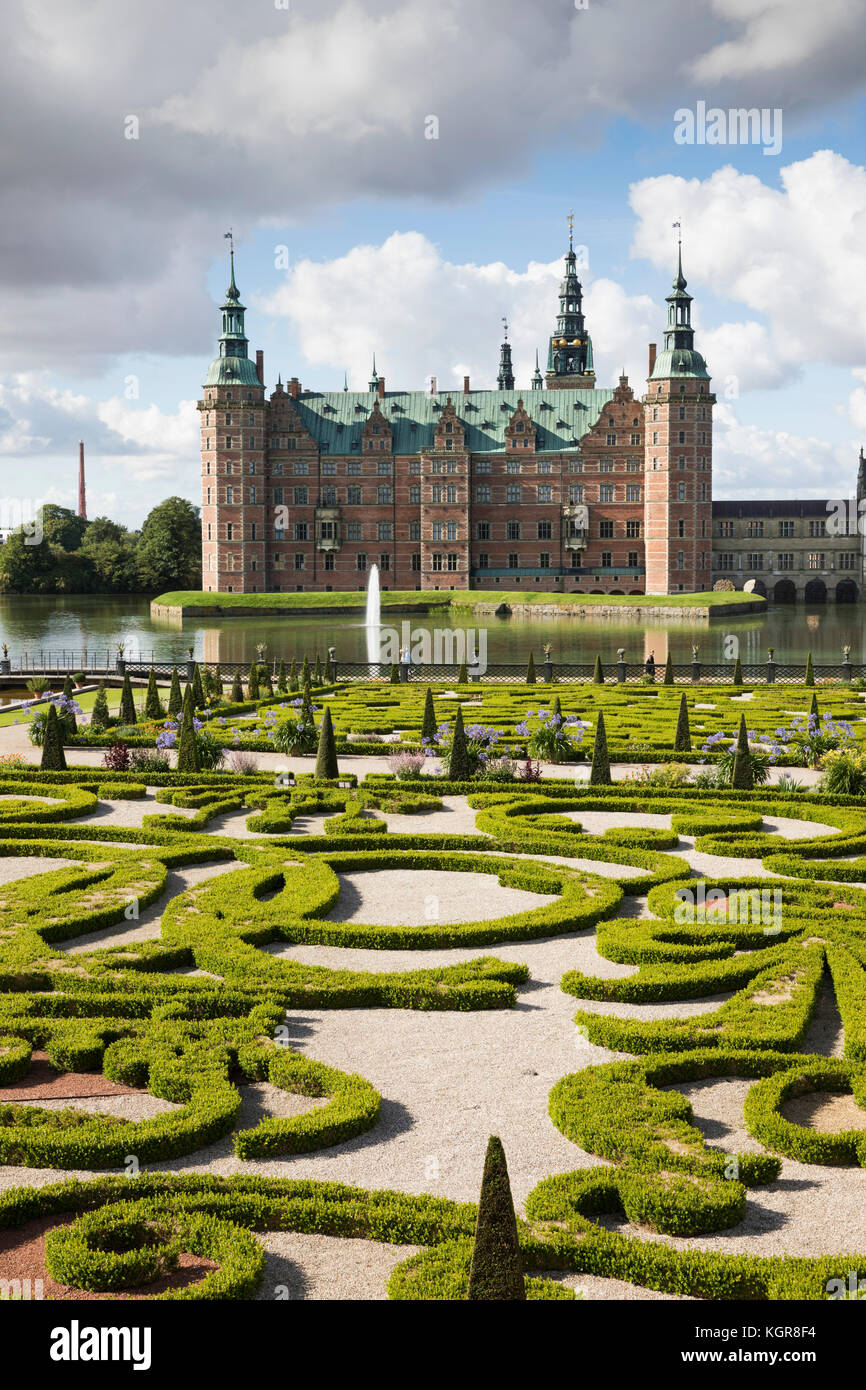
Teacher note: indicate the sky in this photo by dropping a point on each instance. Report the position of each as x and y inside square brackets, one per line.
[398, 177]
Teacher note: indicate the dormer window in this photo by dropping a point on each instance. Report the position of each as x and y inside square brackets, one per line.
[520, 427]
[449, 428]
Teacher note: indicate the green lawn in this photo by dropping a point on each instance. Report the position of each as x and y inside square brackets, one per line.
[450, 598]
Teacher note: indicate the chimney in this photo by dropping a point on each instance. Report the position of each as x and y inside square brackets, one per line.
[294, 388]
[381, 388]
[260, 365]
[433, 386]
[652, 358]
[466, 386]
[82, 491]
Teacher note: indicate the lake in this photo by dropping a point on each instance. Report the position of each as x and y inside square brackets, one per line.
[96, 624]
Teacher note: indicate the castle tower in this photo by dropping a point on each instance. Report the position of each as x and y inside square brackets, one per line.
[233, 430]
[678, 410]
[569, 358]
[861, 520]
[82, 490]
[505, 379]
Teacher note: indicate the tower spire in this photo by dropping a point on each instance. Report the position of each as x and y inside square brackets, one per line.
[505, 379]
[374, 379]
[569, 359]
[233, 367]
[82, 490]
[537, 381]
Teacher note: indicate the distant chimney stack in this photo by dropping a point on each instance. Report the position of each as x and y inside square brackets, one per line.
[260, 365]
[652, 358]
[82, 491]
[433, 386]
[466, 386]
[294, 388]
[381, 388]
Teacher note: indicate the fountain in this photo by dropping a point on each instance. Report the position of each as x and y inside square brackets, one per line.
[373, 618]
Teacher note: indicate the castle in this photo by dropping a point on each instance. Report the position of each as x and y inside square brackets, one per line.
[563, 487]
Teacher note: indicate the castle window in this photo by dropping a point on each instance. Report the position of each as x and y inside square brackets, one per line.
[632, 559]
[414, 530]
[353, 496]
[682, 437]
[545, 466]
[384, 496]
[482, 494]
[301, 496]
[575, 492]
[299, 560]
[385, 560]
[632, 528]
[437, 560]
[681, 527]
[681, 492]
[353, 468]
[300, 531]
[512, 530]
[230, 496]
[605, 466]
[353, 531]
[483, 560]
[385, 531]
[451, 493]
[300, 467]
[415, 493]
[545, 492]
[607, 559]
[632, 492]
[512, 466]
[329, 468]
[383, 467]
[513, 560]
[361, 561]
[545, 530]
[611, 439]
[482, 531]
[416, 561]
[209, 532]
[229, 444]
[207, 497]
[655, 436]
[452, 561]
[605, 492]
[329, 560]
[512, 492]
[253, 495]
[605, 530]
[544, 560]
[230, 531]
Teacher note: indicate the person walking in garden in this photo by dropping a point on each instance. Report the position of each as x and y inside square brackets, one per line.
[406, 663]
[650, 666]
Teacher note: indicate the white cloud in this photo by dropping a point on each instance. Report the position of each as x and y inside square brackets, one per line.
[777, 36]
[752, 462]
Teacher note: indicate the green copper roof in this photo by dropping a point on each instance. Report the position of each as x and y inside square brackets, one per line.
[679, 361]
[232, 371]
[335, 418]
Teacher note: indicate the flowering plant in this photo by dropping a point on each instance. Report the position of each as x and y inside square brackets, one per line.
[550, 736]
[481, 739]
[66, 708]
[406, 766]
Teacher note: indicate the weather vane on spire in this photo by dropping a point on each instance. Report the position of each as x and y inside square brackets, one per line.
[679, 226]
[571, 231]
[505, 326]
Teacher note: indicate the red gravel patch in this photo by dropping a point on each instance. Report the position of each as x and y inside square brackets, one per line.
[22, 1256]
[44, 1082]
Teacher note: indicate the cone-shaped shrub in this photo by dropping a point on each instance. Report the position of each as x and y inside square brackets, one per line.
[496, 1270]
[458, 763]
[187, 747]
[197, 688]
[738, 672]
[810, 670]
[282, 685]
[237, 695]
[395, 674]
[266, 685]
[152, 704]
[217, 684]
[306, 675]
[598, 672]
[557, 707]
[306, 715]
[599, 773]
[175, 698]
[428, 723]
[127, 703]
[462, 677]
[326, 754]
[99, 716]
[53, 757]
[293, 677]
[742, 777]
[669, 671]
[683, 736]
[253, 683]
[67, 688]
[530, 670]
[317, 674]
[813, 708]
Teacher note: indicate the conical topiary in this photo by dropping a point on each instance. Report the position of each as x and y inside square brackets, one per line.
[813, 708]
[127, 703]
[669, 671]
[317, 674]
[530, 670]
[266, 685]
[237, 690]
[187, 746]
[197, 688]
[326, 754]
[152, 704]
[458, 762]
[428, 723]
[810, 670]
[53, 757]
[307, 715]
[598, 672]
[282, 685]
[253, 683]
[738, 672]
[217, 686]
[496, 1271]
[599, 773]
[99, 716]
[557, 708]
[294, 687]
[462, 677]
[67, 688]
[395, 674]
[742, 777]
[306, 676]
[683, 736]
[175, 698]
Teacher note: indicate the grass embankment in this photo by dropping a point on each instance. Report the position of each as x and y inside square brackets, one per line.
[451, 598]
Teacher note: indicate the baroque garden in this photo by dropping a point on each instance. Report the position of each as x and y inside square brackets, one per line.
[278, 958]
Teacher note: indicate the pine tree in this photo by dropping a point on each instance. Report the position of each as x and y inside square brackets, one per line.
[810, 670]
[99, 717]
[683, 736]
[53, 757]
[282, 687]
[326, 754]
[152, 704]
[127, 703]
[530, 670]
[67, 688]
[458, 762]
[237, 692]
[742, 777]
[317, 674]
[738, 672]
[813, 708]
[428, 723]
[598, 672]
[669, 671]
[599, 773]
[294, 687]
[496, 1271]
[187, 746]
[306, 677]
[218, 682]
[557, 707]
[197, 689]
[306, 715]
[395, 674]
[175, 698]
[253, 683]
[462, 675]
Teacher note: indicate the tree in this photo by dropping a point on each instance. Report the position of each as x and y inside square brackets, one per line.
[557, 708]
[496, 1271]
[175, 698]
[53, 757]
[153, 708]
[61, 526]
[253, 683]
[217, 682]
[428, 723]
[530, 670]
[598, 672]
[669, 671]
[742, 777]
[99, 715]
[317, 675]
[458, 763]
[197, 690]
[187, 746]
[169, 551]
[293, 677]
[326, 754]
[683, 736]
[813, 708]
[237, 693]
[394, 677]
[462, 676]
[306, 677]
[282, 686]
[738, 672]
[67, 688]
[599, 773]
[110, 548]
[127, 703]
[26, 568]
[810, 670]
